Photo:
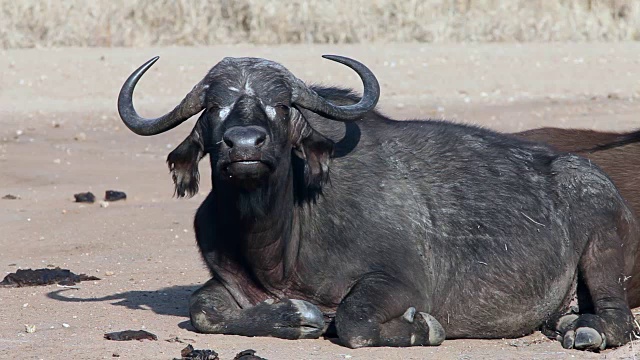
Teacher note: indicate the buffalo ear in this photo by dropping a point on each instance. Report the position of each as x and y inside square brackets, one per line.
[314, 148]
[183, 164]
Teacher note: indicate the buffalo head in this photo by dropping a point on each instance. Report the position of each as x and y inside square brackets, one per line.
[250, 124]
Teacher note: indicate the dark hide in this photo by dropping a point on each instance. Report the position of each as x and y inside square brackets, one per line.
[618, 154]
[399, 232]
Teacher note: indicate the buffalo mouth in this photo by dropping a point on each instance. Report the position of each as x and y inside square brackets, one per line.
[246, 170]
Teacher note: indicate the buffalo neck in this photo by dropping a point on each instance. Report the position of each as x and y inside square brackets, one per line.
[261, 225]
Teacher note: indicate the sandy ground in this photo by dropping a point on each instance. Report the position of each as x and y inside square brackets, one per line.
[60, 135]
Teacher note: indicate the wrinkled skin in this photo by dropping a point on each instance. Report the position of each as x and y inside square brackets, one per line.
[392, 233]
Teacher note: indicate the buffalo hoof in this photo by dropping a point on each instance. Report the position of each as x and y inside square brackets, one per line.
[427, 330]
[584, 338]
[310, 319]
[581, 332]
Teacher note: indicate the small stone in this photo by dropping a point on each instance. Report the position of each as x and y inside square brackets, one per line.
[104, 204]
[57, 161]
[11, 197]
[109, 273]
[65, 325]
[30, 328]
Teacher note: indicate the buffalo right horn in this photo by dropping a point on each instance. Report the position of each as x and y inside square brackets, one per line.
[192, 104]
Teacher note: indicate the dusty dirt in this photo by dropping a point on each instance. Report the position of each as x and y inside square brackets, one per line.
[60, 135]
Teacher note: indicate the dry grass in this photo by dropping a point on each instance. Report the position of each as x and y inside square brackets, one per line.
[45, 23]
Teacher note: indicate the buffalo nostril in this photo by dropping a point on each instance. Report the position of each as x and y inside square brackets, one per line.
[227, 141]
[260, 139]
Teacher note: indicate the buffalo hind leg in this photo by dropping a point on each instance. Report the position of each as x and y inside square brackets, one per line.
[213, 310]
[611, 323]
[379, 311]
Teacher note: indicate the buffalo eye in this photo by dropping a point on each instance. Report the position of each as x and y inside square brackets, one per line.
[282, 109]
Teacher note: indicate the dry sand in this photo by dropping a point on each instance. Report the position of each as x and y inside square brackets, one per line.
[60, 135]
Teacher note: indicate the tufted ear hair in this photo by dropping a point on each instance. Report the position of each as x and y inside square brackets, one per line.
[183, 164]
[312, 147]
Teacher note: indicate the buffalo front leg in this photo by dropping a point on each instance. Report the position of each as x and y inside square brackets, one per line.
[380, 311]
[213, 310]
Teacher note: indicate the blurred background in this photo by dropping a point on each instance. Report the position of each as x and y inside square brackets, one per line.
[107, 23]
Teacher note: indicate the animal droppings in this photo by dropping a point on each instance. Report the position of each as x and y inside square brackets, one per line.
[40, 277]
[129, 335]
[86, 197]
[189, 353]
[248, 355]
[113, 195]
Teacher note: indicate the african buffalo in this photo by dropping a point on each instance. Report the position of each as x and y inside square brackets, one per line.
[390, 233]
[618, 154]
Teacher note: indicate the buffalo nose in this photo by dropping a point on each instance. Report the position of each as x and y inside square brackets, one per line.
[245, 136]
